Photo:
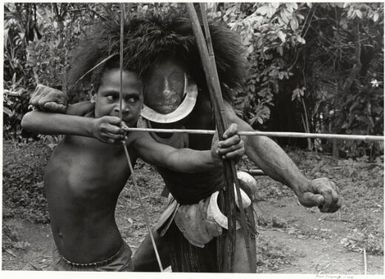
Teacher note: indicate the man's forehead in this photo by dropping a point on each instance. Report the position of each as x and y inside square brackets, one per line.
[166, 66]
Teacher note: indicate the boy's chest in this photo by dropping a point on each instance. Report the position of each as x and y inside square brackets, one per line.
[98, 168]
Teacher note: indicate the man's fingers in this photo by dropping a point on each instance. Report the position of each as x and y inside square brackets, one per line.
[233, 129]
[43, 95]
[233, 147]
[234, 154]
[310, 200]
[328, 190]
[331, 206]
[235, 139]
[51, 106]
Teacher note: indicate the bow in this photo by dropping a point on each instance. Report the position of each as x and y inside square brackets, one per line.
[208, 61]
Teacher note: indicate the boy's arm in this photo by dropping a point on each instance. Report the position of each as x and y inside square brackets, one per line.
[188, 160]
[105, 129]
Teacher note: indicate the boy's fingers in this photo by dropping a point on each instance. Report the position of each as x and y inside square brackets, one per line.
[112, 137]
[113, 120]
[112, 129]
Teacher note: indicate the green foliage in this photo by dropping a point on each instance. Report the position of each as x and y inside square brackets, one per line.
[15, 101]
[270, 32]
[326, 57]
[23, 192]
[342, 65]
[330, 55]
[37, 42]
[17, 75]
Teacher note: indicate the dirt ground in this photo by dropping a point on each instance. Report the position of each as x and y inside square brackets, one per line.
[292, 239]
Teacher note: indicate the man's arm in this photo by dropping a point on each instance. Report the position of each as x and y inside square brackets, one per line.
[188, 160]
[105, 129]
[267, 155]
[80, 109]
[48, 99]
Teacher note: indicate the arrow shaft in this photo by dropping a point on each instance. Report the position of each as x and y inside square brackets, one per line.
[263, 133]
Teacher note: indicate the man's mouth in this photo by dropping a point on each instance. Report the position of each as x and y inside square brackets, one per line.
[166, 108]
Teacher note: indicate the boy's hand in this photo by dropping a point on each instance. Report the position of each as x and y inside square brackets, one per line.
[231, 147]
[48, 99]
[108, 129]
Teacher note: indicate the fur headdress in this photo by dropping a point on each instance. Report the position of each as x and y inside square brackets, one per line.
[156, 37]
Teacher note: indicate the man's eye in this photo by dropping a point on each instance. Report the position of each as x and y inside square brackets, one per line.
[132, 100]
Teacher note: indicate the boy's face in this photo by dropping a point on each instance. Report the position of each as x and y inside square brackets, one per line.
[107, 97]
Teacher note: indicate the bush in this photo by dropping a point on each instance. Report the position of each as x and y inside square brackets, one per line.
[23, 191]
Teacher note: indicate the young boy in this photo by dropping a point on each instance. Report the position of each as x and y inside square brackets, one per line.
[86, 172]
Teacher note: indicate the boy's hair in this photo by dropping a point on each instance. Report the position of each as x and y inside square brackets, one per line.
[157, 37]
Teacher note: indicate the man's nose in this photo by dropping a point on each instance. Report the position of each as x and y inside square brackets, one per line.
[124, 107]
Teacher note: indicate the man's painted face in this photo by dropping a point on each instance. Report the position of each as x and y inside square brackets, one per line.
[163, 89]
[107, 98]
[169, 95]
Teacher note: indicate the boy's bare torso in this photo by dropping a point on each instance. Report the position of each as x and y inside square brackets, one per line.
[83, 180]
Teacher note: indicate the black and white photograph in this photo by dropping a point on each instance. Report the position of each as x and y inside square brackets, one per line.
[210, 137]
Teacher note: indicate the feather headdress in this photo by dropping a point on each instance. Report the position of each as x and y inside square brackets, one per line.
[157, 37]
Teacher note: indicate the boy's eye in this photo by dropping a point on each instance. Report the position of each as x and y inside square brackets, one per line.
[111, 98]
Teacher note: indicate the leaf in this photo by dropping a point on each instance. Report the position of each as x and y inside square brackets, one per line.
[291, 7]
[285, 16]
[294, 24]
[275, 5]
[282, 36]
[375, 17]
[301, 40]
[7, 111]
[267, 10]
[359, 14]
[297, 93]
[280, 50]
[262, 10]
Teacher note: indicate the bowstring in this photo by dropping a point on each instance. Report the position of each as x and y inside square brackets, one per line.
[145, 215]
